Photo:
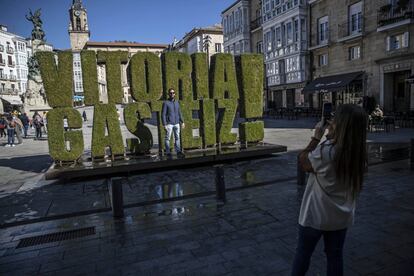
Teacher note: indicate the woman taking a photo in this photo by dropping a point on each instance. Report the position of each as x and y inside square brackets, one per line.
[336, 168]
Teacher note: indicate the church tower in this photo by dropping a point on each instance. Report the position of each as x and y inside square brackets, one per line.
[78, 26]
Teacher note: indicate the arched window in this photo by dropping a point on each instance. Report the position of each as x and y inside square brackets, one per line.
[78, 24]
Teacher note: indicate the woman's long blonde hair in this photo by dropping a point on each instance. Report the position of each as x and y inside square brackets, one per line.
[349, 137]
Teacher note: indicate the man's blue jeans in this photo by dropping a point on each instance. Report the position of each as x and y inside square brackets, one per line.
[176, 130]
[307, 241]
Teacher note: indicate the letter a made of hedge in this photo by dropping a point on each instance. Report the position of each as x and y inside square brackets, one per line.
[200, 75]
[90, 77]
[146, 78]
[58, 137]
[57, 79]
[105, 117]
[223, 81]
[250, 72]
[177, 69]
[133, 115]
[113, 62]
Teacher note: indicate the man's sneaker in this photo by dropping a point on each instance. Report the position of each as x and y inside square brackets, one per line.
[13, 145]
[180, 155]
[7, 145]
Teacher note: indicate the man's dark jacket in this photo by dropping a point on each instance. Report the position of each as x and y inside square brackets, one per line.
[171, 113]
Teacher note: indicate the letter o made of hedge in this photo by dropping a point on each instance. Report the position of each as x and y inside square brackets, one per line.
[105, 116]
[57, 79]
[90, 77]
[113, 62]
[146, 78]
[57, 137]
[223, 81]
[177, 69]
[133, 115]
[250, 73]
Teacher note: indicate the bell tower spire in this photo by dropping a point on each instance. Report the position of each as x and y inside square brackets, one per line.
[78, 26]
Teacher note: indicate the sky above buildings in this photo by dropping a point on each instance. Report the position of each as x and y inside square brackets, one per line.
[146, 21]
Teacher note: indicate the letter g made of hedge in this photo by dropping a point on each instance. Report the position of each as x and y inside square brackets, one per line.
[65, 145]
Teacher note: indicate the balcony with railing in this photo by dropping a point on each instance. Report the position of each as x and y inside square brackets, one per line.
[390, 15]
[12, 64]
[10, 50]
[257, 23]
[9, 91]
[2, 62]
[4, 76]
[1, 47]
[12, 77]
[351, 29]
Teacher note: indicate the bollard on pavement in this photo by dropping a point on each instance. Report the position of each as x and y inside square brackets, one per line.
[117, 198]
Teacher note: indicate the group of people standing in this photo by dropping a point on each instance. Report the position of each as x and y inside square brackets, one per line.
[17, 125]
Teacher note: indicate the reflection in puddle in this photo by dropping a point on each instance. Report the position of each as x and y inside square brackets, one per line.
[248, 178]
[169, 190]
[387, 152]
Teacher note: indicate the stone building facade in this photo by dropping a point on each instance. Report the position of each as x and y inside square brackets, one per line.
[373, 40]
[285, 50]
[14, 54]
[208, 39]
[236, 28]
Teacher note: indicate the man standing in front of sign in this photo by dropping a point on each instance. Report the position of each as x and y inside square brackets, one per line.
[171, 120]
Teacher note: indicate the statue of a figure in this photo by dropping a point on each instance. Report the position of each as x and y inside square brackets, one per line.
[37, 32]
[33, 65]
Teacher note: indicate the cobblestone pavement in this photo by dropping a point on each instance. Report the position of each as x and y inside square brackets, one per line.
[253, 233]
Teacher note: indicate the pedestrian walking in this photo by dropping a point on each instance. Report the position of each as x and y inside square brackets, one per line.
[18, 129]
[65, 124]
[37, 122]
[3, 126]
[26, 122]
[336, 167]
[44, 122]
[84, 116]
[11, 125]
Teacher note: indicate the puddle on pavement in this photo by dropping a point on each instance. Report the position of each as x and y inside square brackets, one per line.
[387, 152]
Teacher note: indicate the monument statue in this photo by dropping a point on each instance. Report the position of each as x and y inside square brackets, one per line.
[37, 32]
[33, 65]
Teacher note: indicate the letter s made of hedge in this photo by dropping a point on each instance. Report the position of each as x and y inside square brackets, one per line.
[134, 113]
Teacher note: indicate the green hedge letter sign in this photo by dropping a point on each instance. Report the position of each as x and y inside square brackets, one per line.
[64, 145]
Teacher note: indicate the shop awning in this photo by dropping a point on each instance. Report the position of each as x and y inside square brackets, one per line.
[12, 99]
[332, 83]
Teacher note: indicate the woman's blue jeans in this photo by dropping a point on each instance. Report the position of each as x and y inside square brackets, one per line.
[10, 136]
[307, 241]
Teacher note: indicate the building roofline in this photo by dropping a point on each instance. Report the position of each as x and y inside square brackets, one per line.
[231, 6]
[195, 31]
[124, 44]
